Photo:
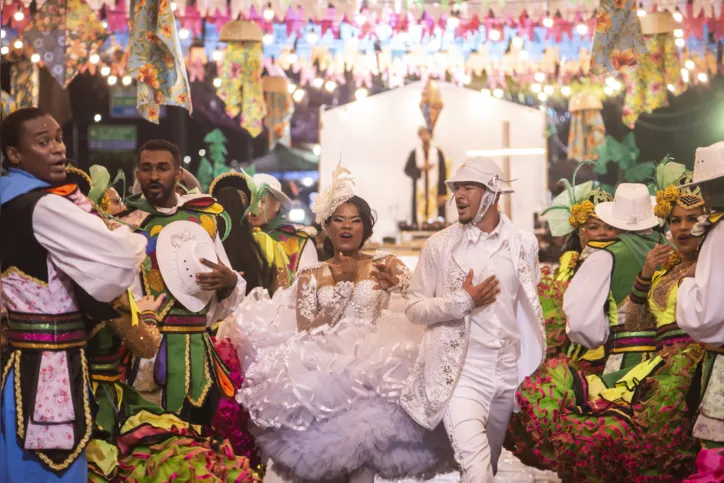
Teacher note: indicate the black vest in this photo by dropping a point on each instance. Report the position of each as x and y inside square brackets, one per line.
[18, 246]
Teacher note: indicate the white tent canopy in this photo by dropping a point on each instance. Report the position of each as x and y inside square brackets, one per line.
[374, 136]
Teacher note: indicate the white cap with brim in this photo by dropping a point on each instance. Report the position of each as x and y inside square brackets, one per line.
[480, 170]
[630, 210]
[274, 187]
[708, 165]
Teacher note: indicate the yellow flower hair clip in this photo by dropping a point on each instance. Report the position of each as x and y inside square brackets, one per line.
[580, 213]
[665, 201]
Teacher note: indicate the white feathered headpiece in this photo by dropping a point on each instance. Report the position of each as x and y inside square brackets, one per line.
[338, 193]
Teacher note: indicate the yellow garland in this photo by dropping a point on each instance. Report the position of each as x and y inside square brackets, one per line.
[665, 200]
[580, 213]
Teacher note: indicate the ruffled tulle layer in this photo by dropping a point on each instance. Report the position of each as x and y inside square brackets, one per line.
[325, 401]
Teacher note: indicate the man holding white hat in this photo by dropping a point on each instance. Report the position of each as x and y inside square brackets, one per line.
[606, 277]
[700, 301]
[269, 213]
[475, 290]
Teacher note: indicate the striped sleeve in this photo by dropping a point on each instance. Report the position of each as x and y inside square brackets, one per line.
[640, 290]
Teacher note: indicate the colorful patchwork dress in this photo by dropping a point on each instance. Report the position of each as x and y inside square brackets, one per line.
[292, 240]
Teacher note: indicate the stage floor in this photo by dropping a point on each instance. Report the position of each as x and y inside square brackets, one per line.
[510, 470]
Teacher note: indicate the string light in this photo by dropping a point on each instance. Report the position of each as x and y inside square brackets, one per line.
[548, 90]
[361, 94]
[680, 42]
[202, 152]
[317, 82]
[184, 33]
[678, 33]
[187, 159]
[292, 58]
[174, 6]
[517, 42]
[112, 80]
[330, 86]
[486, 92]
[453, 22]
[2, 34]
[608, 90]
[105, 71]
[535, 88]
[566, 91]
[268, 39]
[671, 87]
[268, 14]
[104, 24]
[19, 16]
[702, 77]
[542, 96]
[94, 59]
[678, 17]
[126, 80]
[312, 37]
[35, 58]
[4, 50]
[523, 54]
[217, 55]
[641, 12]
[582, 29]
[498, 92]
[360, 19]
[217, 82]
[689, 64]
[298, 95]
[539, 77]
[494, 35]
[18, 44]
[97, 118]
[685, 75]
[291, 88]
[548, 22]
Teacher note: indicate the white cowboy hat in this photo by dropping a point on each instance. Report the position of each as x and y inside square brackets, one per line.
[179, 249]
[480, 170]
[630, 210]
[274, 187]
[708, 165]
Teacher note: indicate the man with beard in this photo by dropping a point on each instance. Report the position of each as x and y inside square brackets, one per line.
[475, 290]
[52, 253]
[187, 368]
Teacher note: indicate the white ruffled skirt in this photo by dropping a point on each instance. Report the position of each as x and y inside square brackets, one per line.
[325, 402]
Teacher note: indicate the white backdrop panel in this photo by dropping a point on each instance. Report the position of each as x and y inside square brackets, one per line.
[374, 137]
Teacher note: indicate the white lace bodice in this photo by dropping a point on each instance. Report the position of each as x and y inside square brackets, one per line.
[364, 302]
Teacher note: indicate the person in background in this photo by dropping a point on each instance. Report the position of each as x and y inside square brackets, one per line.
[269, 208]
[426, 166]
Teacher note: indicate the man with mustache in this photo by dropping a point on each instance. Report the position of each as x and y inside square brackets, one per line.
[187, 368]
[475, 290]
[53, 252]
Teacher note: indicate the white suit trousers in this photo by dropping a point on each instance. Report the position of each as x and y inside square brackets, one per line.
[478, 413]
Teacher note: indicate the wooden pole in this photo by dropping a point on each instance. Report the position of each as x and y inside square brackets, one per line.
[507, 208]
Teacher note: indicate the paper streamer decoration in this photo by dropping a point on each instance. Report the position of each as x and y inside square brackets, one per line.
[65, 34]
[279, 110]
[156, 60]
[618, 41]
[431, 103]
[241, 88]
[24, 83]
[7, 104]
[587, 131]
[657, 74]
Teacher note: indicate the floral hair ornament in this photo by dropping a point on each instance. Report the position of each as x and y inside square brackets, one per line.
[338, 193]
[669, 184]
[571, 209]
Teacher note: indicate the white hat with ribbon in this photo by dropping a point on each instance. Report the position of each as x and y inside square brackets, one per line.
[274, 186]
[708, 165]
[179, 249]
[480, 170]
[630, 210]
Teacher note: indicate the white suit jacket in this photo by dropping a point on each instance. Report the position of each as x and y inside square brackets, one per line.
[437, 300]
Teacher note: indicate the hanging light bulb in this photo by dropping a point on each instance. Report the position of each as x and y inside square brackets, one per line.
[498, 92]
[19, 16]
[523, 54]
[641, 12]
[678, 33]
[689, 64]
[291, 88]
[360, 19]
[184, 33]
[126, 80]
[112, 80]
[217, 55]
[678, 17]
[539, 77]
[298, 95]
[330, 86]
[542, 96]
[18, 44]
[292, 58]
[680, 43]
[217, 82]
[702, 77]
[35, 58]
[361, 94]
[104, 24]
[517, 42]
[268, 39]
[312, 37]
[535, 88]
[317, 82]
[453, 23]
[610, 81]
[685, 75]
[2, 34]
[105, 71]
[4, 50]
[548, 90]
[174, 6]
[548, 22]
[671, 87]
[94, 59]
[566, 91]
[268, 13]
[582, 29]
[494, 35]
[608, 90]
[97, 118]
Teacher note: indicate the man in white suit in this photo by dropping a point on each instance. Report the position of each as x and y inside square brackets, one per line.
[475, 290]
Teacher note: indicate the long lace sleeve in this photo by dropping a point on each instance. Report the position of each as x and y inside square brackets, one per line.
[309, 313]
[403, 275]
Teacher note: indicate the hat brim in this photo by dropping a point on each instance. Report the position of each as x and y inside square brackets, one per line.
[450, 183]
[233, 179]
[165, 251]
[605, 212]
[280, 196]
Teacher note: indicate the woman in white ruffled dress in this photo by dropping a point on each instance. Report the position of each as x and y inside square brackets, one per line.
[325, 362]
